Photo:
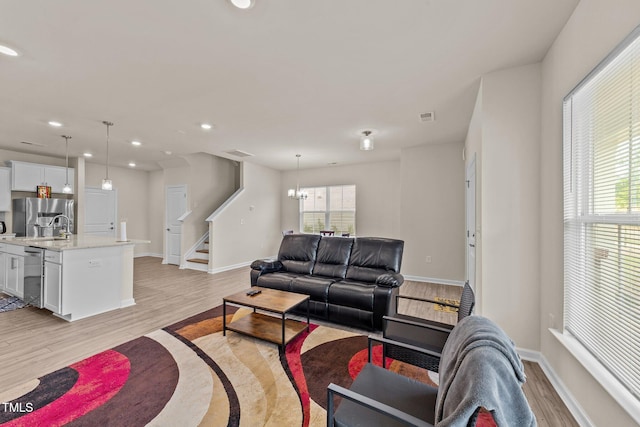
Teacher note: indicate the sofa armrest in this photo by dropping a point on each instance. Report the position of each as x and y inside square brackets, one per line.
[265, 266]
[390, 280]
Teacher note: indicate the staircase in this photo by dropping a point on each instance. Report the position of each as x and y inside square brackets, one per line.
[200, 257]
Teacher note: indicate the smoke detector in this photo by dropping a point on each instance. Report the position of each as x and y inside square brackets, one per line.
[428, 116]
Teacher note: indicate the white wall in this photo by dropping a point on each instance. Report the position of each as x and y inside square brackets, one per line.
[510, 200]
[473, 149]
[210, 180]
[432, 211]
[248, 228]
[377, 195]
[419, 199]
[133, 198]
[156, 212]
[593, 30]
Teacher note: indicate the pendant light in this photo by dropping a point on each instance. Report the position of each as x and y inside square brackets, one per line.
[243, 4]
[106, 182]
[296, 193]
[366, 141]
[67, 187]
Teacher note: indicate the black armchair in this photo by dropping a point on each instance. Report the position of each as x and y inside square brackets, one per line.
[381, 398]
[480, 372]
[423, 333]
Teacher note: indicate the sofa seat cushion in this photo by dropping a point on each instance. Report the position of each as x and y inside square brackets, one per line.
[350, 293]
[280, 280]
[316, 287]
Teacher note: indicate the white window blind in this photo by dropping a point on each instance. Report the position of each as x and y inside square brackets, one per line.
[329, 208]
[602, 213]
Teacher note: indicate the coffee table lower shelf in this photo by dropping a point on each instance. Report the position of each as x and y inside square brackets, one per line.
[268, 328]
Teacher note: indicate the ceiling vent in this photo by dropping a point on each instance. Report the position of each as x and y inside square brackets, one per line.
[32, 143]
[427, 117]
[239, 153]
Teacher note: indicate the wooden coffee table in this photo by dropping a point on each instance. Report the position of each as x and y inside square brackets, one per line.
[276, 329]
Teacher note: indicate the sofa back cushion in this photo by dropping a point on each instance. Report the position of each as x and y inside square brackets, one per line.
[333, 257]
[373, 256]
[298, 252]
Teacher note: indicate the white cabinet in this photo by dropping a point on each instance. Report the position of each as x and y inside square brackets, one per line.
[27, 176]
[5, 189]
[53, 281]
[14, 274]
[3, 272]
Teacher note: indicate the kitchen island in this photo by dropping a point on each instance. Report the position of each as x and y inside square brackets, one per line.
[82, 275]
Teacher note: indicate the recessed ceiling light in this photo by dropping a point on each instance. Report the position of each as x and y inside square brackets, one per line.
[206, 126]
[243, 4]
[88, 155]
[55, 124]
[8, 51]
[133, 165]
[168, 153]
[136, 143]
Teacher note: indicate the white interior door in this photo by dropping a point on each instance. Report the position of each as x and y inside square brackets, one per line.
[100, 212]
[470, 206]
[176, 206]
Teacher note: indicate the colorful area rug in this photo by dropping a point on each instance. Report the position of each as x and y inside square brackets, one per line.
[9, 303]
[189, 374]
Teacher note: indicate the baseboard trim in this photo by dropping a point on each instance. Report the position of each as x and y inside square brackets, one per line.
[127, 302]
[193, 266]
[149, 254]
[574, 407]
[434, 280]
[229, 267]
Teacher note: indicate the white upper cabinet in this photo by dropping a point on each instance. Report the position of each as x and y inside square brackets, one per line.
[27, 176]
[5, 189]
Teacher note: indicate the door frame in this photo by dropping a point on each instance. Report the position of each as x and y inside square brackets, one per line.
[470, 222]
[165, 258]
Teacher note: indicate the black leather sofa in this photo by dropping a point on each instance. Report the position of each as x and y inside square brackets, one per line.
[351, 281]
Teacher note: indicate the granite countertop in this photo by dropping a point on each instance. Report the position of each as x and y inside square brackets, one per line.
[73, 242]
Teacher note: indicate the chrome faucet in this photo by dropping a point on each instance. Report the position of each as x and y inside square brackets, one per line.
[67, 231]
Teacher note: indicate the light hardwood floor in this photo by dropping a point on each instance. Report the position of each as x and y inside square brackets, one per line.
[34, 342]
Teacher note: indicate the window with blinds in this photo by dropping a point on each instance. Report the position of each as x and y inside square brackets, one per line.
[602, 213]
[329, 208]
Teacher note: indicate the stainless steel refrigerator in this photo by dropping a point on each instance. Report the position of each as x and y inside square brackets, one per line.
[32, 216]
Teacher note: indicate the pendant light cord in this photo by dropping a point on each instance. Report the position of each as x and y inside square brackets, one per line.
[108, 124]
[298, 176]
[67, 138]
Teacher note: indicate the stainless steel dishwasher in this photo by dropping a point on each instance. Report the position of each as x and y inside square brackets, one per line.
[33, 278]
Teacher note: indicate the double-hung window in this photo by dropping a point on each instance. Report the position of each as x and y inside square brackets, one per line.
[602, 213]
[329, 208]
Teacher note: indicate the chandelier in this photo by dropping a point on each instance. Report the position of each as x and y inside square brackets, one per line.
[297, 193]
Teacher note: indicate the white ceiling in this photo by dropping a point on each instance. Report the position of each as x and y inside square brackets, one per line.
[285, 77]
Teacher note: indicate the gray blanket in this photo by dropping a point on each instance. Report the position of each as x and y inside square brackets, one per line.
[480, 368]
